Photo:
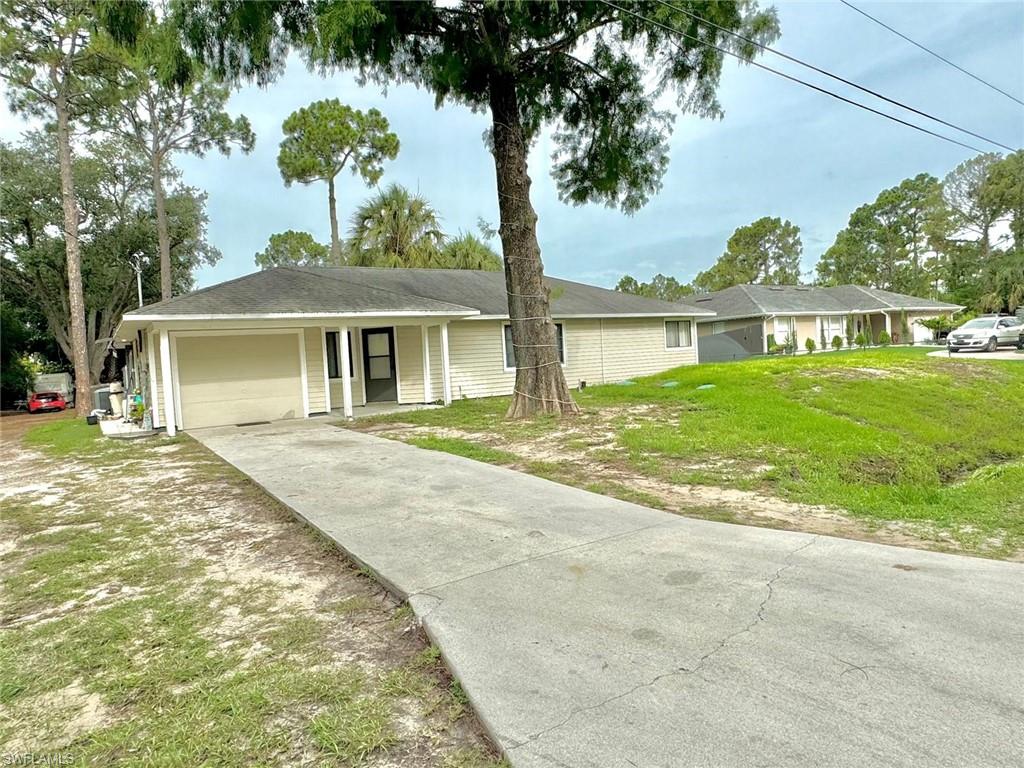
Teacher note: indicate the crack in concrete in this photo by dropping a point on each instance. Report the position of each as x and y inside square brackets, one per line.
[759, 617]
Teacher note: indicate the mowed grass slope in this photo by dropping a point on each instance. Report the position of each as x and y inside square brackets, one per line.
[886, 435]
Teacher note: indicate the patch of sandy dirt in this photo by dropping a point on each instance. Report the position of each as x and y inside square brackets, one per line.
[267, 570]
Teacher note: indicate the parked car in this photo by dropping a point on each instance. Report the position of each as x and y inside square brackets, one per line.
[40, 402]
[986, 332]
[61, 383]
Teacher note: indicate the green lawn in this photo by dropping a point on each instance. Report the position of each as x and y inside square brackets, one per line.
[158, 609]
[889, 436]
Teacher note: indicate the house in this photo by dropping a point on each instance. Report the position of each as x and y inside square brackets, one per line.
[294, 341]
[746, 316]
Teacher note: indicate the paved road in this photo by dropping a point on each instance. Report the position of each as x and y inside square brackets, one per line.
[593, 632]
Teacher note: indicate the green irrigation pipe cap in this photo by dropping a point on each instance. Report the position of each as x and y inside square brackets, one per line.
[670, 384]
[706, 386]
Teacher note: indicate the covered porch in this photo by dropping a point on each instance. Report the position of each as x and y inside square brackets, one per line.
[229, 372]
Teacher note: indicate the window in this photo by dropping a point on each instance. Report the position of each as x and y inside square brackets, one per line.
[677, 334]
[832, 326]
[783, 329]
[509, 350]
[333, 369]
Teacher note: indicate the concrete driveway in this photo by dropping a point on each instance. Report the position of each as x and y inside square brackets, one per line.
[592, 632]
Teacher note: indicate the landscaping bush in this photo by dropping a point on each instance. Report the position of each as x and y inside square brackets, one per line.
[884, 339]
[849, 331]
[824, 339]
[837, 342]
[860, 340]
[811, 346]
[905, 334]
[773, 347]
[789, 345]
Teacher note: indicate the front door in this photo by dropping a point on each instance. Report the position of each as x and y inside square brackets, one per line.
[379, 364]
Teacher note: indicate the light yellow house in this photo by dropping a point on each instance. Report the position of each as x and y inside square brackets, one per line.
[295, 341]
[747, 317]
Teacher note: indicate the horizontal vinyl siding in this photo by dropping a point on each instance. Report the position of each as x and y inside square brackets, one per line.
[313, 338]
[636, 347]
[436, 371]
[631, 347]
[474, 352]
[409, 352]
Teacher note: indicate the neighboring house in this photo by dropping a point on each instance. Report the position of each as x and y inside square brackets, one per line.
[746, 315]
[272, 345]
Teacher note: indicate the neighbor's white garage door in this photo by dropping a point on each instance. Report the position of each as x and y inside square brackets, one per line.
[238, 379]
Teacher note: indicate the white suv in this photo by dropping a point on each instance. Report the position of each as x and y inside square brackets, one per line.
[986, 332]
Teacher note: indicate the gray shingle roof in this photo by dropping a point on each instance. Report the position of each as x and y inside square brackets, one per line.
[293, 291]
[365, 289]
[756, 300]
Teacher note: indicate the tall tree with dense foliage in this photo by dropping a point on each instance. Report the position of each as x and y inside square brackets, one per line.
[585, 68]
[660, 287]
[52, 71]
[112, 186]
[322, 139]
[886, 243]
[293, 249]
[164, 104]
[395, 228]
[467, 251]
[766, 252]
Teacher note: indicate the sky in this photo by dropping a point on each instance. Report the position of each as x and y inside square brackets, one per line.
[780, 150]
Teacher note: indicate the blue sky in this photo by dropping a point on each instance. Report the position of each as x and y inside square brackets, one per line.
[781, 149]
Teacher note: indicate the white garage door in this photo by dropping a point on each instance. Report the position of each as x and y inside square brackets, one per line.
[238, 379]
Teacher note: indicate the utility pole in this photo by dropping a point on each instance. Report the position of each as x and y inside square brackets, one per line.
[136, 262]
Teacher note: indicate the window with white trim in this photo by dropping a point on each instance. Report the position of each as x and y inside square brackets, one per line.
[333, 353]
[678, 334]
[832, 326]
[509, 350]
[783, 329]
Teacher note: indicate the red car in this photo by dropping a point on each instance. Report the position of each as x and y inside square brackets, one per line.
[46, 401]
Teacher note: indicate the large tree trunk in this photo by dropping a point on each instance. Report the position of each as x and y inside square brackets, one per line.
[540, 384]
[163, 237]
[332, 205]
[76, 300]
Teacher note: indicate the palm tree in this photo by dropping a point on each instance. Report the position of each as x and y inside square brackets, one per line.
[395, 228]
[469, 252]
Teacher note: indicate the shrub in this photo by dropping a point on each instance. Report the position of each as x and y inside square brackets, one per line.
[905, 334]
[789, 345]
[811, 346]
[824, 339]
[860, 340]
[837, 342]
[884, 339]
[850, 339]
[772, 346]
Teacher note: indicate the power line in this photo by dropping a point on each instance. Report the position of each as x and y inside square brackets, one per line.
[792, 78]
[938, 56]
[839, 78]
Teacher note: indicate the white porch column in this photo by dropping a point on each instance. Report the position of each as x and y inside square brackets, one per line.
[154, 396]
[446, 376]
[346, 374]
[166, 373]
[327, 371]
[428, 390]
